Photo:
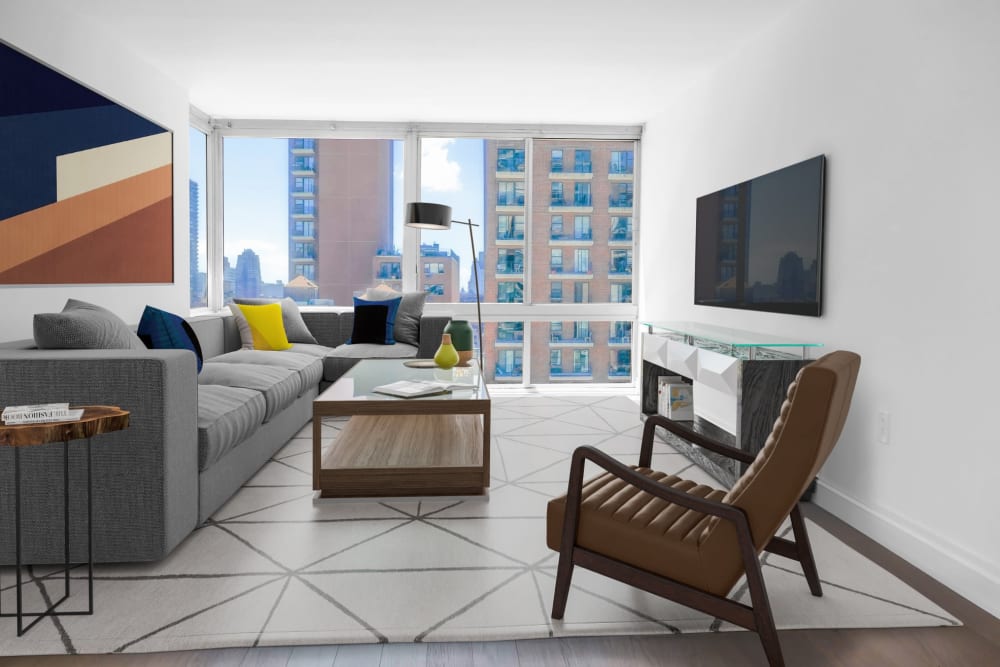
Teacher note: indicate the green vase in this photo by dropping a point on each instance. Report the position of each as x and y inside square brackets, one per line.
[446, 355]
[461, 338]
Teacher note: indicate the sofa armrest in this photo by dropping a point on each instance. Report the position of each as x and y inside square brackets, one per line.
[431, 328]
[145, 478]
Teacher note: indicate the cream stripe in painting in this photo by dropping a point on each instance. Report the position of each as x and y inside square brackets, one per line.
[95, 168]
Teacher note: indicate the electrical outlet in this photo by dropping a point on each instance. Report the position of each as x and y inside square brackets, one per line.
[883, 427]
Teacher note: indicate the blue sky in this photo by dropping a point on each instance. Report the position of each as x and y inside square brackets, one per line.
[256, 196]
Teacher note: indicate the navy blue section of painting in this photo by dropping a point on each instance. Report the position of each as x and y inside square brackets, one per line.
[44, 114]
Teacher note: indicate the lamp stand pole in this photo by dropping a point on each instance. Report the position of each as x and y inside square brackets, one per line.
[475, 279]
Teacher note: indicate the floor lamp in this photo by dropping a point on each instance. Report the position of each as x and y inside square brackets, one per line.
[424, 215]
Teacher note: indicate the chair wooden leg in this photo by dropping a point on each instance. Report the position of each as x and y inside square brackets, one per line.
[805, 552]
[763, 618]
[564, 576]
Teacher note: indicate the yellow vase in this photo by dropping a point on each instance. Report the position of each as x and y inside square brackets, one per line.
[446, 355]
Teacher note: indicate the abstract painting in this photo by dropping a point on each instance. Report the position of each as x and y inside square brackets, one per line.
[86, 185]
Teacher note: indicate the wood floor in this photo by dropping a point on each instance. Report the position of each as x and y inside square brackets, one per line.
[976, 643]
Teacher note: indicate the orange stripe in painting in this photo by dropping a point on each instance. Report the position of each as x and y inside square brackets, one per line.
[135, 249]
[33, 233]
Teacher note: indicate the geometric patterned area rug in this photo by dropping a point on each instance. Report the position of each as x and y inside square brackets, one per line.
[278, 565]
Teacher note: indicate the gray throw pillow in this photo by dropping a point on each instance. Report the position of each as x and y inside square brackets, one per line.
[295, 327]
[246, 335]
[84, 326]
[411, 309]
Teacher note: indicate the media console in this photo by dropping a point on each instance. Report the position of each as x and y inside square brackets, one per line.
[739, 379]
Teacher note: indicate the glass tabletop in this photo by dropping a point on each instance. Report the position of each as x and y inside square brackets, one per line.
[727, 336]
[359, 383]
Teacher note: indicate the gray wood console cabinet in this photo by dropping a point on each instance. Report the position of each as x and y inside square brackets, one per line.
[739, 383]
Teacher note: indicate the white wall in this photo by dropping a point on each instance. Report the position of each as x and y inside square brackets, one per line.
[88, 54]
[903, 98]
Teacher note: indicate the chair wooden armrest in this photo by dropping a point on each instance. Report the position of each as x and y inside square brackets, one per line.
[678, 429]
[574, 492]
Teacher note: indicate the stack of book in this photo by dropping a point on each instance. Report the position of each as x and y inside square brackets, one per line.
[39, 414]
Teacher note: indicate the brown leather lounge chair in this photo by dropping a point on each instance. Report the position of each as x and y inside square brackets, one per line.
[692, 543]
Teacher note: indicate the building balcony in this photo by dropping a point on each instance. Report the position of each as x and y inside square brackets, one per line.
[510, 269]
[570, 272]
[389, 275]
[502, 374]
[510, 200]
[568, 341]
[620, 341]
[619, 271]
[571, 175]
[560, 374]
[585, 238]
[617, 373]
[619, 204]
[303, 171]
[303, 236]
[311, 150]
[577, 205]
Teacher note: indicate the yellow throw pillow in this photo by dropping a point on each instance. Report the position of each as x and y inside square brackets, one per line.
[266, 326]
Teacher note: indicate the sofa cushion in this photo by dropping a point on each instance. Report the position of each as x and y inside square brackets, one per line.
[295, 327]
[411, 308]
[266, 326]
[312, 350]
[343, 357]
[160, 330]
[226, 417]
[309, 368]
[280, 386]
[83, 326]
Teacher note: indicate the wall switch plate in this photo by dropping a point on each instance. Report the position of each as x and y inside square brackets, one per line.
[883, 427]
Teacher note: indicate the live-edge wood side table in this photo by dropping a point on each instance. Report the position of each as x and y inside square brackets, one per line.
[96, 419]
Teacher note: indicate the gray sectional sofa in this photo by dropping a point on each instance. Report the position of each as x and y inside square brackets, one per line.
[193, 438]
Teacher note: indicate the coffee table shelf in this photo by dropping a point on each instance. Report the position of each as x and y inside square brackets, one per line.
[432, 445]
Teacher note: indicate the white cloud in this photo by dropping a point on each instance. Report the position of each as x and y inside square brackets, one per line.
[437, 172]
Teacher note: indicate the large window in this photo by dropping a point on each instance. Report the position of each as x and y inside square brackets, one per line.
[320, 219]
[279, 240]
[198, 268]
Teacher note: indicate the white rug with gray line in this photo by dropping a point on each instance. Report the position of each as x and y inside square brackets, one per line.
[277, 565]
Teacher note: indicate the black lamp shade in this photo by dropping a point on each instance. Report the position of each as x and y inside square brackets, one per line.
[428, 216]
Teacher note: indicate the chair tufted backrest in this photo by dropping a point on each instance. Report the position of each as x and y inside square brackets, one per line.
[811, 420]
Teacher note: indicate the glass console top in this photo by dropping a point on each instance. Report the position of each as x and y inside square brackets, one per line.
[725, 335]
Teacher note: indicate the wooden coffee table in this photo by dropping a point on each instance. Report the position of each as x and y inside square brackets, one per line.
[432, 445]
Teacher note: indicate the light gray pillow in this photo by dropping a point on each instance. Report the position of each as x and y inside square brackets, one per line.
[295, 327]
[411, 309]
[246, 335]
[84, 326]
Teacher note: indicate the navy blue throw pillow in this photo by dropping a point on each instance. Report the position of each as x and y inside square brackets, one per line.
[376, 320]
[161, 330]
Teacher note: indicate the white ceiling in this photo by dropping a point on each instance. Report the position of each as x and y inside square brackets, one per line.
[527, 61]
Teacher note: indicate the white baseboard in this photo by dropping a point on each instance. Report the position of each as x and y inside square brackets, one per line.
[966, 573]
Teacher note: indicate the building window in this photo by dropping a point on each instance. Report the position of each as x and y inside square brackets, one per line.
[436, 290]
[621, 228]
[510, 332]
[555, 332]
[510, 227]
[621, 333]
[305, 184]
[555, 261]
[621, 292]
[621, 262]
[389, 271]
[305, 228]
[581, 228]
[303, 163]
[510, 159]
[510, 261]
[510, 193]
[621, 195]
[508, 364]
[581, 194]
[197, 166]
[306, 271]
[304, 206]
[433, 268]
[304, 251]
[581, 260]
[555, 292]
[557, 227]
[557, 161]
[555, 360]
[510, 292]
[303, 144]
[581, 361]
[581, 162]
[621, 162]
[581, 292]
[558, 198]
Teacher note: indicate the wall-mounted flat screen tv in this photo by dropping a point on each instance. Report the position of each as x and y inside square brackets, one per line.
[759, 244]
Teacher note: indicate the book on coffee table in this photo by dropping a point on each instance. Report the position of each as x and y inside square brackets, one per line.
[415, 388]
